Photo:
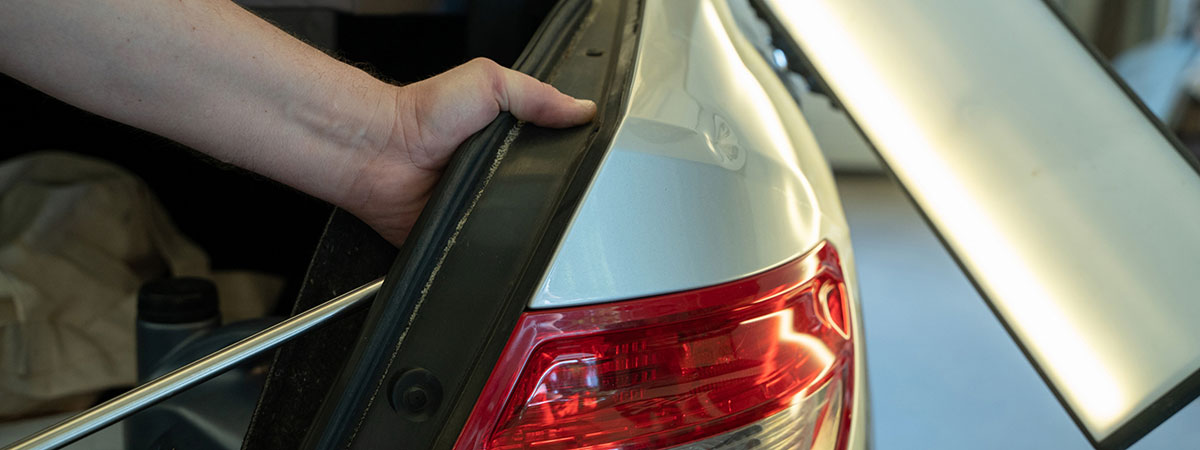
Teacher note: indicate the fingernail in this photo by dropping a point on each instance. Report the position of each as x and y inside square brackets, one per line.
[585, 103]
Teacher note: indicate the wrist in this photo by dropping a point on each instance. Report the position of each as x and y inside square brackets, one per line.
[353, 127]
[389, 185]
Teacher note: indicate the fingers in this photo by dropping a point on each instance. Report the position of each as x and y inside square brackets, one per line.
[537, 102]
[542, 104]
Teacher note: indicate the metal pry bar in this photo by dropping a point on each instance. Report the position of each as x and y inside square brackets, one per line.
[203, 369]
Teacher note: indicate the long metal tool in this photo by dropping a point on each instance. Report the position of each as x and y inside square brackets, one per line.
[141, 397]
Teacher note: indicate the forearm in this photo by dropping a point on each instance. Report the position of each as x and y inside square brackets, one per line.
[210, 75]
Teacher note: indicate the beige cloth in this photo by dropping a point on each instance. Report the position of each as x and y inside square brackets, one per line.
[78, 237]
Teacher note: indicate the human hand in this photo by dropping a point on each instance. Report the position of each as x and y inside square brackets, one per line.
[432, 118]
[244, 92]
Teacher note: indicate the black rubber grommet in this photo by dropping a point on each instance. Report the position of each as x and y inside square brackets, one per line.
[415, 394]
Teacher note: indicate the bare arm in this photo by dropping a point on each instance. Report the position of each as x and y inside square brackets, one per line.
[217, 78]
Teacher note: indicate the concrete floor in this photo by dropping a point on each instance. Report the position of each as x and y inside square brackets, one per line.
[943, 373]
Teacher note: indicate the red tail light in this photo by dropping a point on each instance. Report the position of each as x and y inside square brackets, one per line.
[668, 370]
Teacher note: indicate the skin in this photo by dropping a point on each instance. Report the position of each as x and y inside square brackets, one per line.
[217, 78]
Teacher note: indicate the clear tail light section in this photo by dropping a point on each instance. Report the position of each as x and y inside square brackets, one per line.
[767, 358]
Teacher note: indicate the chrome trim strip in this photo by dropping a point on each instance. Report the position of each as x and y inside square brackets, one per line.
[80, 425]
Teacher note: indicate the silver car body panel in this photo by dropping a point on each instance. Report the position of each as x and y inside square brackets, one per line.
[1069, 208]
[713, 175]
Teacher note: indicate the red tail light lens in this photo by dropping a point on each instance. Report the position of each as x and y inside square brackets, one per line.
[668, 370]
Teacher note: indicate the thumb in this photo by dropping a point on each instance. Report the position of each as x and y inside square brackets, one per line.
[537, 102]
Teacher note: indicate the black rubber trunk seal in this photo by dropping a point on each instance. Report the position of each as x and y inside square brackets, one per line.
[349, 255]
[484, 241]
